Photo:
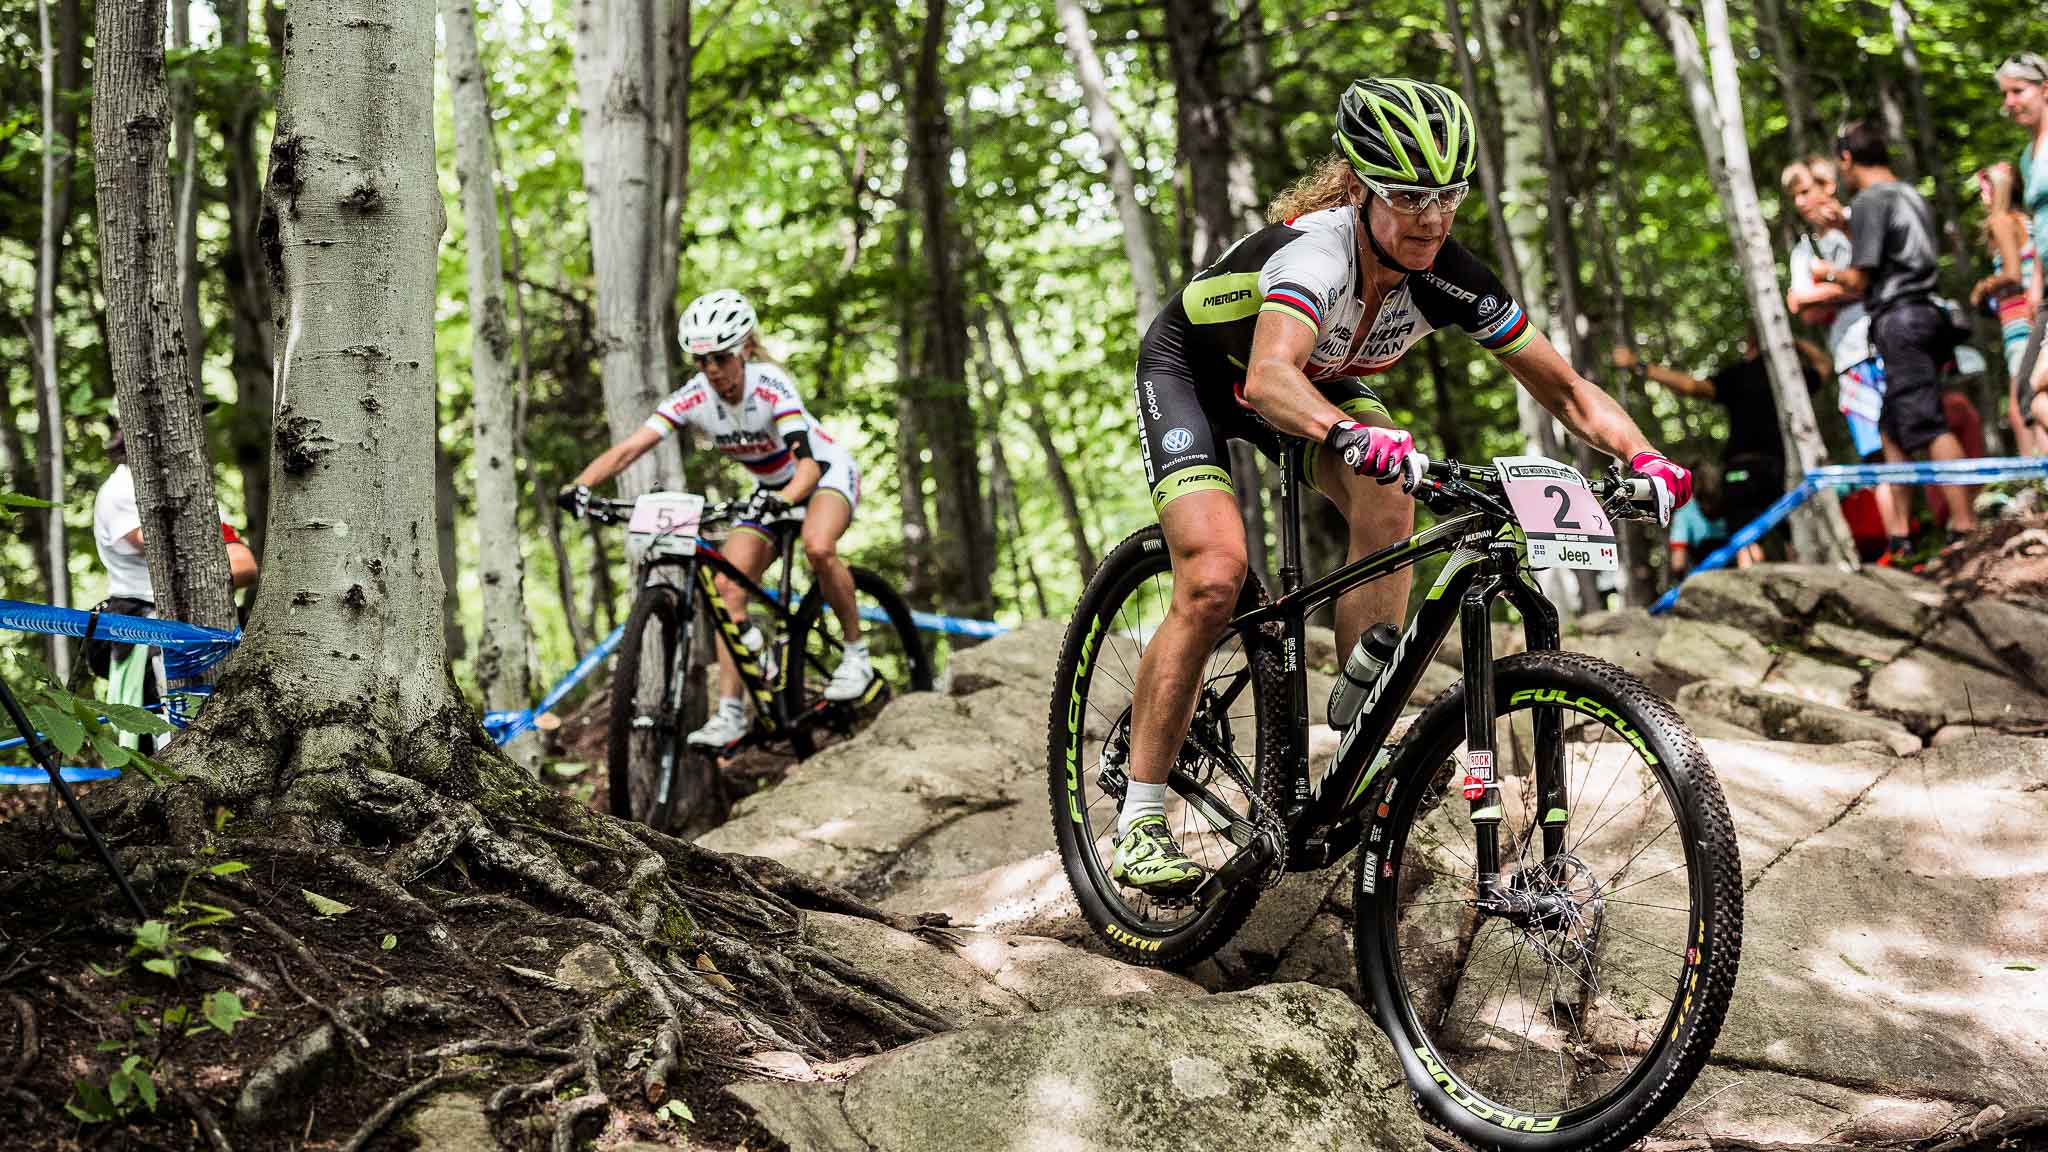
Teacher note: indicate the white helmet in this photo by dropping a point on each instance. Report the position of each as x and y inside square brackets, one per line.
[715, 322]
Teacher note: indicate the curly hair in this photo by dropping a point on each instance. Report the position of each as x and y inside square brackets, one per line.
[1327, 185]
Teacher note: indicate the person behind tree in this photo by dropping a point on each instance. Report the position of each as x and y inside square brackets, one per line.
[2004, 291]
[1270, 340]
[1892, 270]
[130, 669]
[746, 406]
[1698, 528]
[1859, 374]
[2023, 82]
[1753, 458]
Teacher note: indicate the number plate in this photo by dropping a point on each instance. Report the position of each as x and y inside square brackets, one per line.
[1561, 518]
[665, 523]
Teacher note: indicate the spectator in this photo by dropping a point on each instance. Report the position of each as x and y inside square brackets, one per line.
[2004, 291]
[1697, 529]
[2023, 79]
[1892, 271]
[1753, 459]
[1859, 374]
[130, 671]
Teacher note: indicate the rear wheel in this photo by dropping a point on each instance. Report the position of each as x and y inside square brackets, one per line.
[1238, 726]
[1577, 1009]
[816, 641]
[653, 778]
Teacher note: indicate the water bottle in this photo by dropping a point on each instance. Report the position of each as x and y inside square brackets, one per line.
[757, 643]
[1361, 671]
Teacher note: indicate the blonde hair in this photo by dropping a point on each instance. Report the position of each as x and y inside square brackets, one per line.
[1327, 185]
[1997, 179]
[1816, 168]
[757, 348]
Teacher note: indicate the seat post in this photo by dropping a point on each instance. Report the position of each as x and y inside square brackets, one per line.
[1290, 515]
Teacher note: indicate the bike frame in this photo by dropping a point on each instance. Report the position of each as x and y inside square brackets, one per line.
[1486, 562]
[699, 571]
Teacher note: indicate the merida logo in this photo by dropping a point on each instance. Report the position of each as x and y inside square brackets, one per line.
[1227, 298]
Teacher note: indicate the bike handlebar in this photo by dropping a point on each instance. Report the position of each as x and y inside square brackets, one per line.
[1452, 483]
[620, 511]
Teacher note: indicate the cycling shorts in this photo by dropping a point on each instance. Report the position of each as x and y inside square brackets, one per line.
[1182, 426]
[841, 475]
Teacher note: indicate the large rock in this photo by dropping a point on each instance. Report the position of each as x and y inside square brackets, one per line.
[1697, 649]
[1029, 896]
[1276, 922]
[1800, 675]
[2019, 635]
[1734, 598]
[1047, 974]
[1024, 656]
[1856, 599]
[1766, 1108]
[1792, 719]
[1287, 1066]
[1899, 950]
[1780, 794]
[1955, 637]
[922, 970]
[1831, 639]
[1928, 691]
[451, 1122]
[1627, 637]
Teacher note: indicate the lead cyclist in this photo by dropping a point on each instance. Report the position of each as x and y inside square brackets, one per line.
[1356, 266]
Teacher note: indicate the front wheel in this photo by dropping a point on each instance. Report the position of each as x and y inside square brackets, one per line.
[817, 639]
[1575, 1007]
[653, 778]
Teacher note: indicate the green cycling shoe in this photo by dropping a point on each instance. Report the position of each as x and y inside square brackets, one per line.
[1148, 860]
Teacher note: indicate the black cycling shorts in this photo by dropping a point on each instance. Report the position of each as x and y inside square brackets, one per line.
[1911, 338]
[1182, 426]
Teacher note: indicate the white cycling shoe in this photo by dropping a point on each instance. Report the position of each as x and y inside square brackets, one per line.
[851, 679]
[728, 726]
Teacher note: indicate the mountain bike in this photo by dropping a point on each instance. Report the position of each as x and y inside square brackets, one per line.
[654, 777]
[1552, 961]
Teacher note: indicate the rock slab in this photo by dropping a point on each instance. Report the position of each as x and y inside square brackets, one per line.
[1285, 1066]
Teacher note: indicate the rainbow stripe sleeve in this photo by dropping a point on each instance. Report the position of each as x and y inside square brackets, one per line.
[1292, 300]
[1507, 335]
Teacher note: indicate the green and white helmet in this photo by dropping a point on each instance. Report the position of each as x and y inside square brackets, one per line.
[1404, 131]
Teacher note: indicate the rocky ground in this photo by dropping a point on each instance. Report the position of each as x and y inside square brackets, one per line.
[1879, 740]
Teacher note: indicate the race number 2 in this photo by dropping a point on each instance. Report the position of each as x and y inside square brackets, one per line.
[1558, 513]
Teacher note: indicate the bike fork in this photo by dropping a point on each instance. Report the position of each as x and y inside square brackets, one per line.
[1480, 783]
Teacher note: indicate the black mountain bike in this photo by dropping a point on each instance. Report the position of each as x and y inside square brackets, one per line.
[655, 777]
[1552, 960]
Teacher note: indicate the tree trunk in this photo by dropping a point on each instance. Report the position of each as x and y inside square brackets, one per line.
[916, 522]
[1041, 430]
[1504, 253]
[604, 595]
[616, 90]
[1109, 141]
[1002, 488]
[965, 550]
[445, 550]
[167, 444]
[501, 648]
[1778, 24]
[1821, 537]
[185, 197]
[1948, 219]
[56, 174]
[248, 291]
[675, 184]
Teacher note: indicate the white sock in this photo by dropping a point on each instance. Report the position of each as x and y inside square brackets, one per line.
[857, 649]
[732, 703]
[1140, 799]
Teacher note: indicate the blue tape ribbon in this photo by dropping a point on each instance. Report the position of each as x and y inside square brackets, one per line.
[1987, 470]
[188, 649]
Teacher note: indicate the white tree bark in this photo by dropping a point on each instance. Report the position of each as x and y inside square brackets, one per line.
[616, 89]
[1109, 140]
[1821, 536]
[501, 651]
[186, 200]
[344, 669]
[166, 437]
[49, 405]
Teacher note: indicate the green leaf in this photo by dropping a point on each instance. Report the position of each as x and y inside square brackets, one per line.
[208, 955]
[110, 1046]
[389, 943]
[62, 728]
[108, 973]
[118, 1087]
[323, 905]
[145, 1084]
[164, 965]
[214, 915]
[676, 1110]
[224, 1010]
[142, 721]
[90, 1105]
[152, 936]
[15, 500]
[2021, 968]
[177, 1015]
[109, 747]
[228, 868]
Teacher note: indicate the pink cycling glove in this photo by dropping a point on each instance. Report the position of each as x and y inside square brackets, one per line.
[1369, 450]
[1675, 481]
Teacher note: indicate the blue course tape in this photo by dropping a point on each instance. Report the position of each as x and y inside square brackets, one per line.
[13, 774]
[1986, 470]
[188, 648]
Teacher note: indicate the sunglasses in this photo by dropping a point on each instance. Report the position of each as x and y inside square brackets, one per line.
[1413, 200]
[706, 361]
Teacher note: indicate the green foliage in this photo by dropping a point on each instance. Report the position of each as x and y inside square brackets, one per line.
[72, 722]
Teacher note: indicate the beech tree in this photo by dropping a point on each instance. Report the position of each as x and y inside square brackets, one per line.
[166, 436]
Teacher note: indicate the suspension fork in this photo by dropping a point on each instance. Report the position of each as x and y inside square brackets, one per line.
[1476, 633]
[1540, 628]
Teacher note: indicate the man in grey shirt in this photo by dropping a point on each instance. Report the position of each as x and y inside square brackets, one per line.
[1893, 271]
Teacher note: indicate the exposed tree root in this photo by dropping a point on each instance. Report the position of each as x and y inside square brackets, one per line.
[397, 1104]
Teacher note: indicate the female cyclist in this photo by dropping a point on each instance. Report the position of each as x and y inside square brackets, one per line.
[2004, 291]
[1357, 266]
[2023, 85]
[748, 409]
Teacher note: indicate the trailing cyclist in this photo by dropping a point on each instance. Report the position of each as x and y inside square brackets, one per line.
[1271, 340]
[747, 407]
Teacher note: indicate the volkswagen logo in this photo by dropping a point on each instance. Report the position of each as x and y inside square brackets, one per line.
[1177, 440]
